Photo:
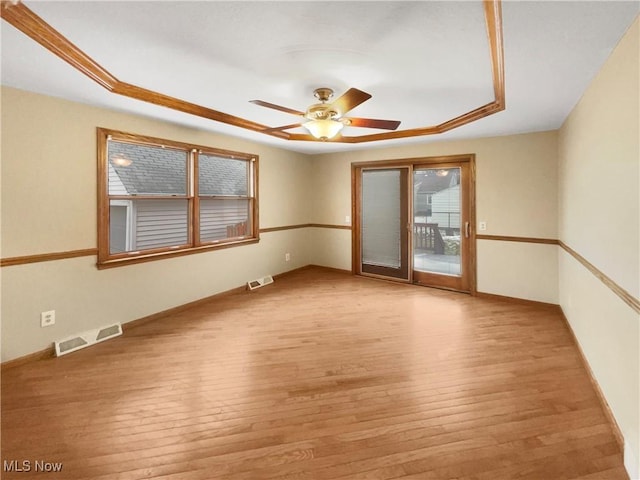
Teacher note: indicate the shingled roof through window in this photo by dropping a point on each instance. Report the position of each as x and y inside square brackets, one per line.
[162, 171]
[222, 176]
[432, 183]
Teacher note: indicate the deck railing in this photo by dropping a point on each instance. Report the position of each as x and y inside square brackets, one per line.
[427, 236]
[237, 230]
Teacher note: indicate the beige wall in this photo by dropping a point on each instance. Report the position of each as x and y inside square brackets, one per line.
[516, 194]
[332, 248]
[520, 270]
[49, 205]
[599, 217]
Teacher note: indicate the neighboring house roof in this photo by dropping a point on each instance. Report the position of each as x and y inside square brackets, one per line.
[162, 171]
[222, 176]
[435, 183]
[116, 187]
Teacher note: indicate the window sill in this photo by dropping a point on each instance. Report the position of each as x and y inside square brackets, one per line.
[142, 258]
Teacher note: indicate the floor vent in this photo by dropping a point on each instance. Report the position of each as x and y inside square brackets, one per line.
[85, 339]
[260, 282]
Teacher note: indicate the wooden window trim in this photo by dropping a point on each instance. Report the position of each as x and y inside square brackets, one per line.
[193, 246]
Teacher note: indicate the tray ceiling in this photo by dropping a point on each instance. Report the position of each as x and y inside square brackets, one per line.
[423, 62]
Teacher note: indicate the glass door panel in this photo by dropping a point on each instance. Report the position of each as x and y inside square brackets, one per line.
[441, 226]
[436, 223]
[384, 220]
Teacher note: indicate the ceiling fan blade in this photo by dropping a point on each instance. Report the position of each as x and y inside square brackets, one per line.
[373, 123]
[277, 107]
[279, 129]
[349, 100]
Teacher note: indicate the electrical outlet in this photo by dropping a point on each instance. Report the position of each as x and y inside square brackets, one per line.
[347, 219]
[48, 318]
[287, 257]
[483, 226]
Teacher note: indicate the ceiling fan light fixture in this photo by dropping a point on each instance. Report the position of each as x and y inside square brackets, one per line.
[323, 129]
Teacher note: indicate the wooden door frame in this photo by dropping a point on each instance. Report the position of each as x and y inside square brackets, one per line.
[356, 169]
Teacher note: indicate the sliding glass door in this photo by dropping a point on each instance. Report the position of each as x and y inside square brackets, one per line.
[413, 221]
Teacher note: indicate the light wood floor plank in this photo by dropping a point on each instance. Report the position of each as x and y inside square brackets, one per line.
[319, 376]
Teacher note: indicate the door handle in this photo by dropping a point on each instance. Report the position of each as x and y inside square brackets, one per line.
[466, 229]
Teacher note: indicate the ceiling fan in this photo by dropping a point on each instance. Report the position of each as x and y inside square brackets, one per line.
[325, 120]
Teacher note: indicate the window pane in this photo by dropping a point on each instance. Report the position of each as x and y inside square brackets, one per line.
[222, 176]
[224, 218]
[118, 227]
[381, 216]
[140, 224]
[146, 170]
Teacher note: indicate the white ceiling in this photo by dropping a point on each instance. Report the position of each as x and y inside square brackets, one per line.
[424, 62]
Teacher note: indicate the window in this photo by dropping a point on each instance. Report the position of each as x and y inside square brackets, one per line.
[160, 198]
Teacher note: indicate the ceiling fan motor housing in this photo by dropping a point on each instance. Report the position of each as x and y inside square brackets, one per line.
[320, 111]
[323, 94]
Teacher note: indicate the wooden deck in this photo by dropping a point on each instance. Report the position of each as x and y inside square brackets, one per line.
[319, 376]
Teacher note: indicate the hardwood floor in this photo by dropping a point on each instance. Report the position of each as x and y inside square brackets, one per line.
[319, 376]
